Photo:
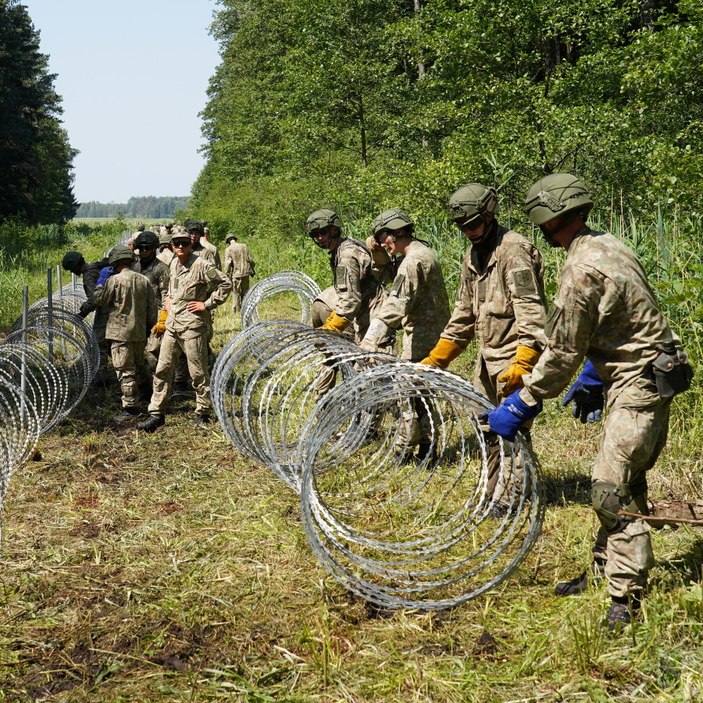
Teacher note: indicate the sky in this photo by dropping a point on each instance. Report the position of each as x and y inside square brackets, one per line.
[133, 76]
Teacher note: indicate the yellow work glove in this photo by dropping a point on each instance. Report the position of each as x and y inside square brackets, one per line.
[335, 323]
[160, 326]
[524, 361]
[444, 352]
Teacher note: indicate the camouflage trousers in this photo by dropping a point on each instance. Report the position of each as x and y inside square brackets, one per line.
[634, 433]
[127, 359]
[240, 286]
[195, 350]
[505, 475]
[152, 351]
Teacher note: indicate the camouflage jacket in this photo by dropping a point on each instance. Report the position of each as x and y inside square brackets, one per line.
[157, 274]
[196, 280]
[417, 302]
[209, 251]
[131, 305]
[90, 278]
[502, 306]
[604, 310]
[238, 261]
[358, 290]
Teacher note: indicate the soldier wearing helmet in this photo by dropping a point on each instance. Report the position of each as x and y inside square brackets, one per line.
[359, 293]
[74, 262]
[604, 312]
[239, 266]
[201, 246]
[417, 304]
[501, 304]
[157, 274]
[165, 252]
[131, 305]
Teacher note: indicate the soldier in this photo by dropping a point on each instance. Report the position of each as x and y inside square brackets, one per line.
[131, 306]
[157, 274]
[201, 246]
[165, 252]
[358, 291]
[501, 304]
[196, 287]
[383, 266]
[417, 304]
[322, 308]
[74, 262]
[238, 266]
[606, 311]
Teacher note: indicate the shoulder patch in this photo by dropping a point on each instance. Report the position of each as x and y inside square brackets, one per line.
[211, 273]
[524, 282]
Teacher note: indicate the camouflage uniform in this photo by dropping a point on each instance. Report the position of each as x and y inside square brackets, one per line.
[605, 310]
[418, 304]
[131, 306]
[188, 333]
[322, 306]
[90, 277]
[157, 274]
[383, 266]
[501, 305]
[238, 266]
[209, 252]
[359, 294]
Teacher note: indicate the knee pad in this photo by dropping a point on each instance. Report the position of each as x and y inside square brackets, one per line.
[607, 500]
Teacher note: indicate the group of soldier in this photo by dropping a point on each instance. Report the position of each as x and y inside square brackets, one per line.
[153, 299]
[605, 314]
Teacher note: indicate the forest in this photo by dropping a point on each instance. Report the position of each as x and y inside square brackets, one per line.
[152, 207]
[370, 104]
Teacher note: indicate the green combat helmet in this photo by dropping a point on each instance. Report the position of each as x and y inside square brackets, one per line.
[146, 240]
[393, 219]
[72, 261]
[320, 219]
[555, 195]
[470, 201]
[120, 252]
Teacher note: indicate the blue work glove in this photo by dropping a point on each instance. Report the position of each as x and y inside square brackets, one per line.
[511, 415]
[104, 274]
[586, 393]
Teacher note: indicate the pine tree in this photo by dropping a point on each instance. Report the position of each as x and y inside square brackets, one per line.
[36, 180]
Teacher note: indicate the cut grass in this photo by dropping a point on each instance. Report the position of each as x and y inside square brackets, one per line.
[166, 567]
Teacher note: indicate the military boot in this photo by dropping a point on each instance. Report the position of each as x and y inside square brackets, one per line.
[580, 583]
[622, 611]
[152, 423]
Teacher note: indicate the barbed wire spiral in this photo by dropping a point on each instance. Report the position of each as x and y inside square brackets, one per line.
[398, 527]
[283, 283]
[47, 362]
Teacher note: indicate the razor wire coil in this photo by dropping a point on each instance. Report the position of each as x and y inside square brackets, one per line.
[397, 528]
[47, 362]
[281, 283]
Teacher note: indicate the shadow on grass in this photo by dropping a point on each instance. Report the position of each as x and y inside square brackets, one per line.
[567, 489]
[687, 566]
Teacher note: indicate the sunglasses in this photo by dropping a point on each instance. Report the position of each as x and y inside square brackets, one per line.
[471, 224]
[181, 243]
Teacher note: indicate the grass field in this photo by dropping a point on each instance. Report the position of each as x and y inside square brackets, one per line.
[167, 567]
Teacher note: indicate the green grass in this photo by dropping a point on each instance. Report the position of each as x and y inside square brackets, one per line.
[167, 567]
